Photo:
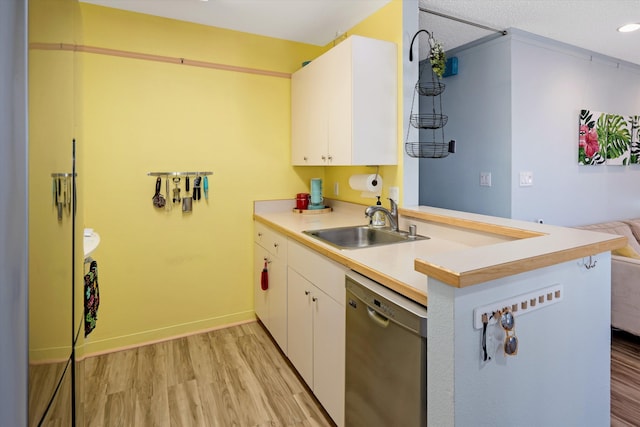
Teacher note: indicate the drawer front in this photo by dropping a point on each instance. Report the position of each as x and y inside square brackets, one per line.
[326, 274]
[271, 240]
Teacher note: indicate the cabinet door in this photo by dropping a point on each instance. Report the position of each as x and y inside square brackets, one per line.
[299, 319]
[339, 103]
[329, 354]
[374, 137]
[309, 119]
[301, 117]
[278, 300]
[260, 297]
[270, 305]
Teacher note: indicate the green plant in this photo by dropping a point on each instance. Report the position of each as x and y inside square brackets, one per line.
[437, 57]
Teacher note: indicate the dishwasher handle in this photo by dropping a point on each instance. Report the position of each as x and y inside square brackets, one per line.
[377, 317]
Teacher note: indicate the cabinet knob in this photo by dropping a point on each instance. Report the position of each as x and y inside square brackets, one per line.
[267, 260]
[330, 157]
[307, 292]
[259, 234]
[275, 245]
[324, 158]
[305, 158]
[314, 299]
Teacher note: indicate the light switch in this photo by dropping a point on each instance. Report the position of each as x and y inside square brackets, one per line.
[526, 179]
[485, 179]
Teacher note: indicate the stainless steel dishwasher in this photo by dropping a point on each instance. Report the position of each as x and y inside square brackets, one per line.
[386, 357]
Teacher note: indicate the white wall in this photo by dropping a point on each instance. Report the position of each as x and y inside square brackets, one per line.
[13, 213]
[514, 107]
[561, 374]
[551, 83]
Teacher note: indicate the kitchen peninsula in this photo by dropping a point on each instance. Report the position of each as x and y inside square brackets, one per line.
[560, 374]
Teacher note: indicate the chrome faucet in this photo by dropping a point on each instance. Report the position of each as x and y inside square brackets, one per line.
[391, 214]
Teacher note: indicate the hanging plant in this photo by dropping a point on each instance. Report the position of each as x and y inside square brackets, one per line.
[437, 57]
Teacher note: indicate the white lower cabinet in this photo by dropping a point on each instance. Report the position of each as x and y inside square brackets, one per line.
[316, 325]
[270, 305]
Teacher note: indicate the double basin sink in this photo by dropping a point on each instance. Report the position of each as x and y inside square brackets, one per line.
[362, 236]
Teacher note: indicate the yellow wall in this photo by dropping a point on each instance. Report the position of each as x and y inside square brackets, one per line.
[164, 273]
[385, 24]
[53, 123]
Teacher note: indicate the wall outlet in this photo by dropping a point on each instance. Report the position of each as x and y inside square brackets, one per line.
[394, 193]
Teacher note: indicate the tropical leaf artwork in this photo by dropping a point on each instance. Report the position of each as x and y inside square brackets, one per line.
[592, 134]
[634, 130]
[617, 140]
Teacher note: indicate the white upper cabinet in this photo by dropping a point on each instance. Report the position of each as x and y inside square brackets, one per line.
[344, 106]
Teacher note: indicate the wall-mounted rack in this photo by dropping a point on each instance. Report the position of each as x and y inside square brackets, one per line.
[180, 173]
[187, 200]
[62, 192]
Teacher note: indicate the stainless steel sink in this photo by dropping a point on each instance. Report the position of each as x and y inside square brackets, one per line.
[362, 236]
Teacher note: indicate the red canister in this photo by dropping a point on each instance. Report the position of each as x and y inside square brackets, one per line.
[302, 201]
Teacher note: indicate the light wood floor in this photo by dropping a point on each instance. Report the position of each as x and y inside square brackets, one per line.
[625, 379]
[237, 377]
[229, 377]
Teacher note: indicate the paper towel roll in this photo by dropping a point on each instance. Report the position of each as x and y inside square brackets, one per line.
[366, 184]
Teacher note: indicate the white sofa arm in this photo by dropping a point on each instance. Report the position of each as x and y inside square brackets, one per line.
[625, 293]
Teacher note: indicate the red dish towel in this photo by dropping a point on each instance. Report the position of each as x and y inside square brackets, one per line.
[264, 277]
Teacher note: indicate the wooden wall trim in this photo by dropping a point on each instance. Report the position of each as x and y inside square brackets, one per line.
[156, 58]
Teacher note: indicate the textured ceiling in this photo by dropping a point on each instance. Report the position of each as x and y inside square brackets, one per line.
[590, 24]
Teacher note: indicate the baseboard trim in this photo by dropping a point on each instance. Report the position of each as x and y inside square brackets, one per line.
[112, 345]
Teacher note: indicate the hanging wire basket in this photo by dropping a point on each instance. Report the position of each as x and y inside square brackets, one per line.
[431, 150]
[428, 120]
[432, 88]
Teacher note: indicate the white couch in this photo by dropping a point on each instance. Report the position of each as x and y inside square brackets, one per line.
[625, 274]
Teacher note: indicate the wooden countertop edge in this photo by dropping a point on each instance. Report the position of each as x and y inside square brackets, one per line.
[391, 283]
[470, 224]
[469, 278]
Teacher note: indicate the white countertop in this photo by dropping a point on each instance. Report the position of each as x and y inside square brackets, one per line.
[463, 248]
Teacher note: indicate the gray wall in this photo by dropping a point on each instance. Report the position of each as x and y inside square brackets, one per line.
[514, 107]
[478, 103]
[410, 170]
[557, 379]
[13, 213]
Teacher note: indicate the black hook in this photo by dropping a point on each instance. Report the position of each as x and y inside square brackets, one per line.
[412, 40]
